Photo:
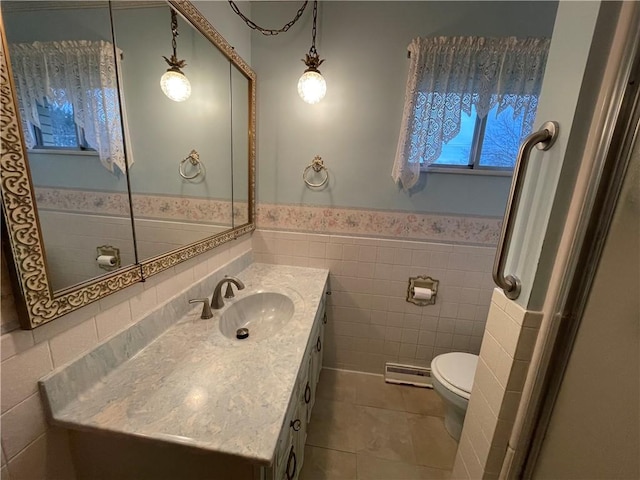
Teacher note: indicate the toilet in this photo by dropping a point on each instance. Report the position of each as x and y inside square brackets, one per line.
[452, 376]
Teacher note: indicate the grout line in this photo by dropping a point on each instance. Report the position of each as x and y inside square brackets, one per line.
[17, 454]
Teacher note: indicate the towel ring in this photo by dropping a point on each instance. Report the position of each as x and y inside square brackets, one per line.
[194, 159]
[317, 165]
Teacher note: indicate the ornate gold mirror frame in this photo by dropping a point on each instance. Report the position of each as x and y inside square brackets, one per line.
[21, 232]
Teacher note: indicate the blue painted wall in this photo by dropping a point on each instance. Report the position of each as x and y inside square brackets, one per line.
[355, 128]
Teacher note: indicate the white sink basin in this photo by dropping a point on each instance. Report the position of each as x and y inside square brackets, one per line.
[263, 314]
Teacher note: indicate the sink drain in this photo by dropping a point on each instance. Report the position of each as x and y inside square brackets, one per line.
[242, 333]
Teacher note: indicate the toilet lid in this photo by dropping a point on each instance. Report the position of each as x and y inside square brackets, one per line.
[456, 369]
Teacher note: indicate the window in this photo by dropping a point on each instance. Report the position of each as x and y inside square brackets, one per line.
[57, 129]
[491, 142]
[469, 101]
[68, 98]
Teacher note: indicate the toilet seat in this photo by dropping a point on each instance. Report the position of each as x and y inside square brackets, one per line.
[455, 371]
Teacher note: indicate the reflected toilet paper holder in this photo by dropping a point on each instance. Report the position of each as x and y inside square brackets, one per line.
[422, 282]
[108, 252]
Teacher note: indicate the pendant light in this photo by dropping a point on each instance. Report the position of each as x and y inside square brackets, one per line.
[173, 83]
[312, 86]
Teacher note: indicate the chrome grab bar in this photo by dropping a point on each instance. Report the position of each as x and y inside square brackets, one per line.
[543, 139]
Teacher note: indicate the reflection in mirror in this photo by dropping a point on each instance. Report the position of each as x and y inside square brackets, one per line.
[63, 62]
[172, 211]
[241, 145]
[80, 200]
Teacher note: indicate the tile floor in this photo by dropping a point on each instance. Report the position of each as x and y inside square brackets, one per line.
[363, 428]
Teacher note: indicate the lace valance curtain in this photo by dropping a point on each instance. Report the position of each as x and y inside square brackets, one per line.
[78, 72]
[449, 75]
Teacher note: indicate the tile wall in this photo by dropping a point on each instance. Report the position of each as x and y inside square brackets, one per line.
[30, 448]
[371, 321]
[502, 368]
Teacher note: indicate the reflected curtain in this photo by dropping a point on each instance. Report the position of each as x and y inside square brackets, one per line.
[79, 72]
[449, 76]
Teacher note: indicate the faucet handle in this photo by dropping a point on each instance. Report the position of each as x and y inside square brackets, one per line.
[206, 308]
[229, 292]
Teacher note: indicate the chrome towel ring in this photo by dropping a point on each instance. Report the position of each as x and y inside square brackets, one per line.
[194, 159]
[317, 165]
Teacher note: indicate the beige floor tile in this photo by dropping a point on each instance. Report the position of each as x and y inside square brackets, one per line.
[333, 425]
[432, 444]
[325, 464]
[373, 468]
[384, 434]
[373, 391]
[337, 385]
[424, 401]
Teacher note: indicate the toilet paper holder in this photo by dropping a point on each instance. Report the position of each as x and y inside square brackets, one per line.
[108, 251]
[422, 282]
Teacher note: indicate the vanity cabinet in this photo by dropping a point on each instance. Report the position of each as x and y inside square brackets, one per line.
[290, 451]
[193, 403]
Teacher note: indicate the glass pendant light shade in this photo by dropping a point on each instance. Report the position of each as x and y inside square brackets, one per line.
[175, 85]
[312, 87]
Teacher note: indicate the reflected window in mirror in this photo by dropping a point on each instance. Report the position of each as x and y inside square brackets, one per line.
[68, 97]
[57, 128]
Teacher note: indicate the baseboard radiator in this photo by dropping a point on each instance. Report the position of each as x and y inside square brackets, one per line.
[407, 375]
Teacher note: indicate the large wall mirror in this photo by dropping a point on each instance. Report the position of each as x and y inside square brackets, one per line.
[105, 179]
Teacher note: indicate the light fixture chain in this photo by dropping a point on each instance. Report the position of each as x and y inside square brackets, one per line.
[174, 32]
[268, 31]
[313, 50]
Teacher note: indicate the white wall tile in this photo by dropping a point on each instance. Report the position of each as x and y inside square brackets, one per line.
[459, 469]
[51, 329]
[515, 311]
[499, 298]
[480, 410]
[143, 303]
[15, 342]
[47, 457]
[70, 344]
[468, 455]
[21, 372]
[429, 322]
[22, 425]
[369, 279]
[409, 336]
[504, 330]
[487, 383]
[113, 320]
[518, 375]
[526, 343]
[478, 440]
[496, 359]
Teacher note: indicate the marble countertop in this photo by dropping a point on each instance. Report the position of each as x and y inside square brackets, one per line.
[195, 387]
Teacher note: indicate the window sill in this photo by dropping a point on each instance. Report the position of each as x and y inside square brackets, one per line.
[46, 151]
[469, 171]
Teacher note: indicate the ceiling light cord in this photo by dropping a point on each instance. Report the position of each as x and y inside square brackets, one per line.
[313, 50]
[268, 31]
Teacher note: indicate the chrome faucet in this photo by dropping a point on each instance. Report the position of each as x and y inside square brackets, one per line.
[217, 302]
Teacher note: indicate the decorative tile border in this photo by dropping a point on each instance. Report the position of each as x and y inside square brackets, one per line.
[301, 218]
[380, 223]
[161, 207]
